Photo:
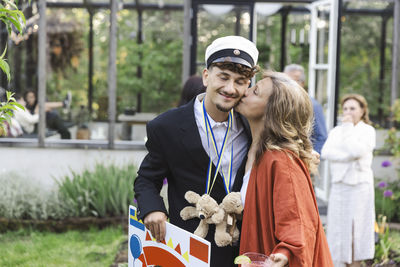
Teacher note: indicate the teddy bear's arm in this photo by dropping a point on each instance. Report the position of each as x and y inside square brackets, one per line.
[188, 213]
[202, 229]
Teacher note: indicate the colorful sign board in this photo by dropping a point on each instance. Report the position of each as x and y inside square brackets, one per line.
[179, 249]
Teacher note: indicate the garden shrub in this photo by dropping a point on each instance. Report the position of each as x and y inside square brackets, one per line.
[387, 202]
[22, 198]
[387, 193]
[387, 197]
[105, 191]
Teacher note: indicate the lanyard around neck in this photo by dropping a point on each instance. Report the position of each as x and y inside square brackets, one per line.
[219, 153]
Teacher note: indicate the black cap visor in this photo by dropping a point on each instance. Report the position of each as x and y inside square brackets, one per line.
[231, 55]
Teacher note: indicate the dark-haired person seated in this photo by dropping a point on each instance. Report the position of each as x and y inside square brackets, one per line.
[53, 119]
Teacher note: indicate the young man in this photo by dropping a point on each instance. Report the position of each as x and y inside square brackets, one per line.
[182, 141]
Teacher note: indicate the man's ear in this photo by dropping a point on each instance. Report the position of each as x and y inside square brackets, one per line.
[205, 77]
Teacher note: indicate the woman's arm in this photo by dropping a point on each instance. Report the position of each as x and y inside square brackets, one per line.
[333, 149]
[24, 117]
[358, 140]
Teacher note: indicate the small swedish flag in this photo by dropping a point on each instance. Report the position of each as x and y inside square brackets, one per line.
[133, 220]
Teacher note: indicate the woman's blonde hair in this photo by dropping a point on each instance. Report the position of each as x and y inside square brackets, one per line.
[288, 119]
[362, 102]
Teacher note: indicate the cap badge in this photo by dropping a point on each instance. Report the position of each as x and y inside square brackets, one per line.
[236, 52]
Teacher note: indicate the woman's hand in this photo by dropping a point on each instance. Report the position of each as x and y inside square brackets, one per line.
[347, 118]
[278, 260]
[316, 157]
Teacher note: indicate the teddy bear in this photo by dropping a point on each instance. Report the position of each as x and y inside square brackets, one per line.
[227, 232]
[206, 209]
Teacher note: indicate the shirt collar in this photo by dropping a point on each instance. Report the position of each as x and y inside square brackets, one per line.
[198, 105]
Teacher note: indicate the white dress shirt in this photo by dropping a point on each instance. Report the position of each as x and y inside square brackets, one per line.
[236, 135]
[245, 184]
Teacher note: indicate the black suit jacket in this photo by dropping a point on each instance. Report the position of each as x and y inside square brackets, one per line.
[176, 153]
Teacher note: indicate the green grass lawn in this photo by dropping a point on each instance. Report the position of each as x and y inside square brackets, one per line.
[73, 248]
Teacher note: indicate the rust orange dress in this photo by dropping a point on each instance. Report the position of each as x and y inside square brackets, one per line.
[281, 213]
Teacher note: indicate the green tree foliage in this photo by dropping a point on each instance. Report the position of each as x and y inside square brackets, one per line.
[10, 16]
[6, 109]
[360, 62]
[159, 56]
[68, 55]
[269, 41]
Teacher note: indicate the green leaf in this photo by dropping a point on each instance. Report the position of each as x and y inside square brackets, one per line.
[11, 3]
[4, 52]
[5, 68]
[18, 105]
[15, 22]
[4, 19]
[9, 95]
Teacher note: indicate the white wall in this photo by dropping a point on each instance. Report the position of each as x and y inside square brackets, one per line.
[42, 165]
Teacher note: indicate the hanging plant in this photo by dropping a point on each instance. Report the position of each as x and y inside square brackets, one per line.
[64, 40]
[65, 43]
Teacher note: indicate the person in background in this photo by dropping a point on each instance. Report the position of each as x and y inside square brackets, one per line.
[192, 87]
[53, 119]
[26, 120]
[181, 142]
[351, 209]
[319, 133]
[280, 217]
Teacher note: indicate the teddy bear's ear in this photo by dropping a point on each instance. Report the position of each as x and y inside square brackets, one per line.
[192, 197]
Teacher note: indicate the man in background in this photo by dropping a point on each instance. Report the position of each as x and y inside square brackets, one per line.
[319, 135]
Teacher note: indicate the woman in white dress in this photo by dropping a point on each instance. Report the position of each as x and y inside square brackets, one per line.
[351, 209]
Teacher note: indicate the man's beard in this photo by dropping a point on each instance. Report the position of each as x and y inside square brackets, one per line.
[225, 109]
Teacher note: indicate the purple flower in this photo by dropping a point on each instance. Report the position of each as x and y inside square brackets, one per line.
[134, 200]
[382, 184]
[386, 163]
[388, 193]
[165, 181]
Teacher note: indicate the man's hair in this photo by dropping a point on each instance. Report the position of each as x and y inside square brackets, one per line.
[296, 67]
[362, 102]
[237, 68]
[289, 119]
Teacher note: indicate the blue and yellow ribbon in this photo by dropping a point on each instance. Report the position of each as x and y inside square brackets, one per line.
[227, 179]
